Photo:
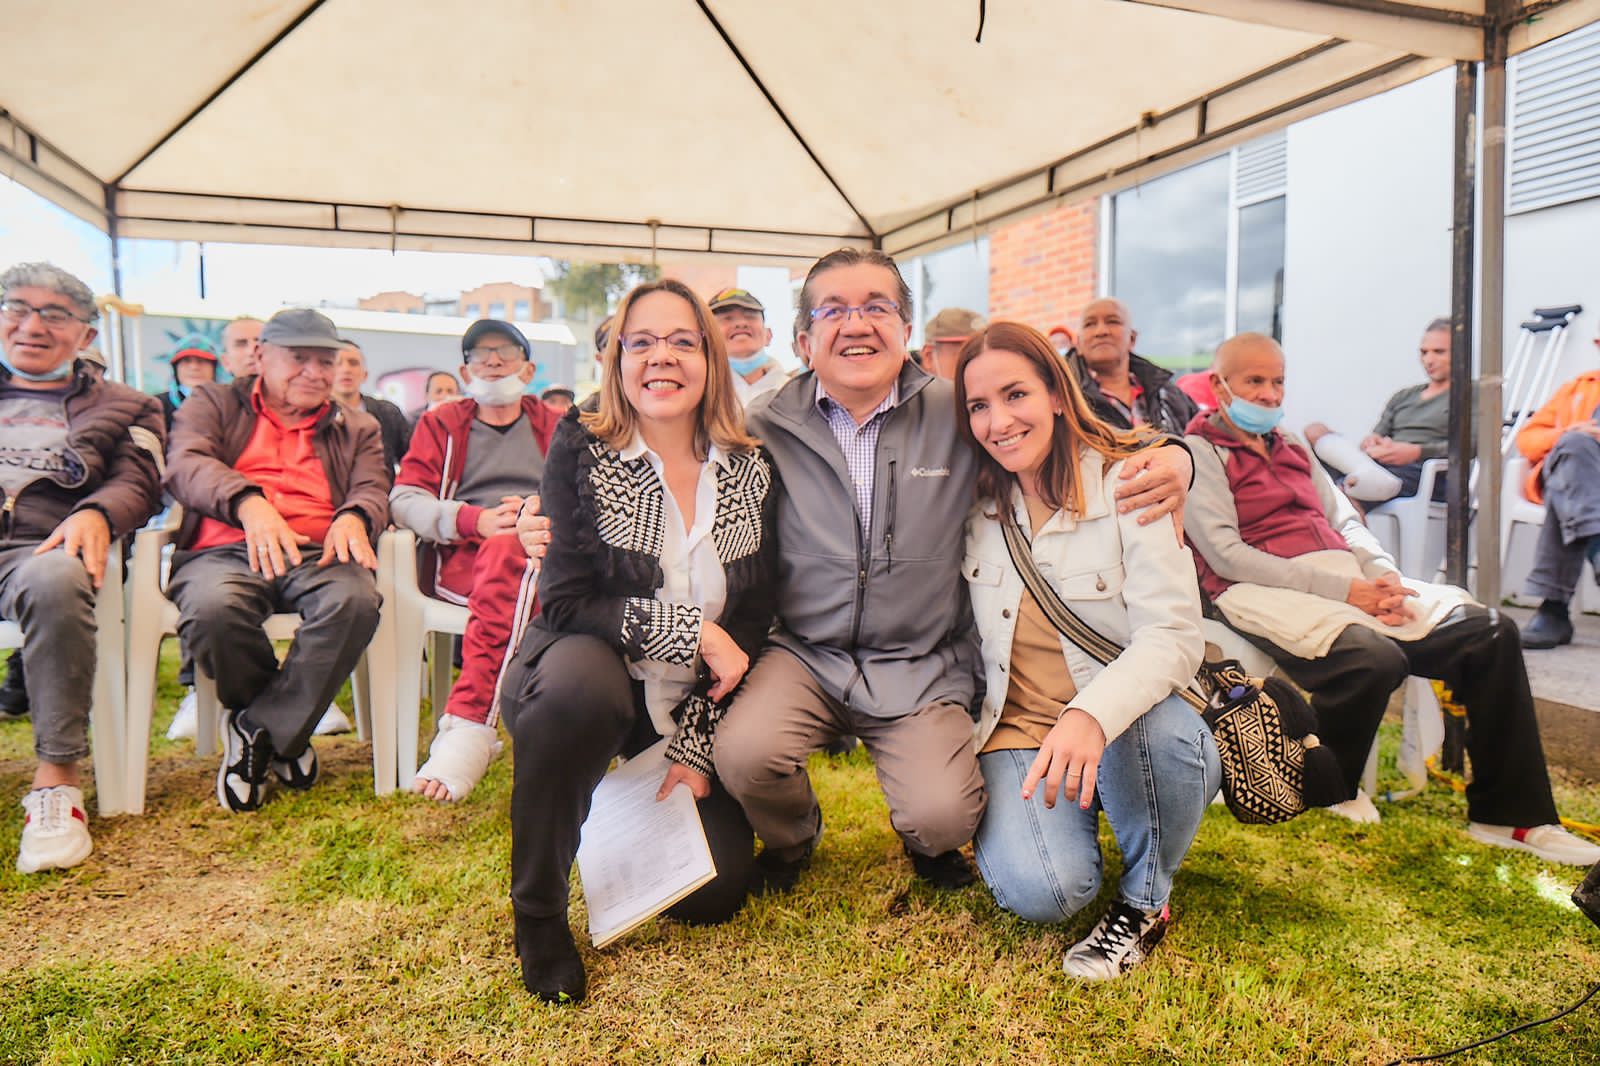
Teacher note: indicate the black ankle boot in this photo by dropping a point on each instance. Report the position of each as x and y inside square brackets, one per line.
[1550, 626]
[552, 969]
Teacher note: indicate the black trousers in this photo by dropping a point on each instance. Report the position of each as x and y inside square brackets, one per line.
[221, 605]
[1478, 653]
[570, 711]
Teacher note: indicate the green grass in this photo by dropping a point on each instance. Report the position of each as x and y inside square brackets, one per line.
[335, 927]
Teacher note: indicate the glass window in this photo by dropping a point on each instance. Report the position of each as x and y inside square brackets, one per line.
[1169, 263]
[951, 277]
[1260, 305]
[471, 311]
[521, 311]
[497, 309]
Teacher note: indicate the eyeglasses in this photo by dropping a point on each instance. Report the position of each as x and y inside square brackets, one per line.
[479, 356]
[877, 311]
[678, 342]
[18, 310]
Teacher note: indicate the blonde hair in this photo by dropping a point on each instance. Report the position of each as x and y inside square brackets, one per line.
[721, 415]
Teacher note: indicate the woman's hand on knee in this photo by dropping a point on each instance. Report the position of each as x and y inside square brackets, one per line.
[723, 657]
[1068, 760]
[679, 774]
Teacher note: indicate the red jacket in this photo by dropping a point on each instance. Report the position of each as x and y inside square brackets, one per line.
[438, 455]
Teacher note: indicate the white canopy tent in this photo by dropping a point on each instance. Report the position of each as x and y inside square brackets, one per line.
[776, 129]
[752, 128]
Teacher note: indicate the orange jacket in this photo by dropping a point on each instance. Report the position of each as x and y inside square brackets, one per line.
[1573, 402]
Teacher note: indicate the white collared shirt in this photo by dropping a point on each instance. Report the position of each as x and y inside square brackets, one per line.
[691, 573]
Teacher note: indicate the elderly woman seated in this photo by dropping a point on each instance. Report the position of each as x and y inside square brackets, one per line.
[1286, 561]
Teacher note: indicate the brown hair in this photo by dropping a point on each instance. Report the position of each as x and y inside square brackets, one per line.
[1074, 429]
[845, 257]
[721, 416]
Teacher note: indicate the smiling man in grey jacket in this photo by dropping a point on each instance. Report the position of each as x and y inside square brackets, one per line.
[874, 635]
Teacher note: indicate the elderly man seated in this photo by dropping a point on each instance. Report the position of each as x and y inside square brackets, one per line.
[471, 466]
[1285, 559]
[283, 492]
[1561, 441]
[1122, 388]
[79, 465]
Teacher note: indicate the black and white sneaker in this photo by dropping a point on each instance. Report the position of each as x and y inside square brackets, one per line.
[299, 773]
[1120, 940]
[246, 751]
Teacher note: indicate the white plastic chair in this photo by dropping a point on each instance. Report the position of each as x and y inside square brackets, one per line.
[417, 618]
[1403, 525]
[108, 719]
[152, 617]
[1423, 729]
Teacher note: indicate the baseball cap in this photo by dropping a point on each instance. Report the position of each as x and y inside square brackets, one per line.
[301, 327]
[735, 298]
[487, 326]
[953, 324]
[193, 353]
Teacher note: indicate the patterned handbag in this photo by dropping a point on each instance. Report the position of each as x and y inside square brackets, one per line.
[1273, 766]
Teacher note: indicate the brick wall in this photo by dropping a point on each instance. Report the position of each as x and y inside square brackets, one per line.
[1042, 269]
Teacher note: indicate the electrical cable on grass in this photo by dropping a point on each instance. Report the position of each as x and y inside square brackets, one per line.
[1498, 1036]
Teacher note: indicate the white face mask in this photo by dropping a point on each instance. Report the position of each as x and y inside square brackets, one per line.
[497, 393]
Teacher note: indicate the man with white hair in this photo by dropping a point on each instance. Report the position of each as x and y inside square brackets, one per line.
[1288, 564]
[80, 465]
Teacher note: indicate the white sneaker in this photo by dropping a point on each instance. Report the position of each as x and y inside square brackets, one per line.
[459, 756]
[333, 721]
[55, 830]
[1360, 810]
[1122, 939]
[183, 725]
[1551, 843]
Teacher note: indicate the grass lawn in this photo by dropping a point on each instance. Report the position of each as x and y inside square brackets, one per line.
[335, 927]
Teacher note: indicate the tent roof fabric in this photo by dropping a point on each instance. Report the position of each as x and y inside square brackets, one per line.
[617, 127]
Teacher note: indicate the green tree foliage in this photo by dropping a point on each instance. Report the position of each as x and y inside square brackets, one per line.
[587, 290]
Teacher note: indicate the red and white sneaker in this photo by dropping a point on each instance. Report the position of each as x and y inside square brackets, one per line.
[1552, 843]
[55, 831]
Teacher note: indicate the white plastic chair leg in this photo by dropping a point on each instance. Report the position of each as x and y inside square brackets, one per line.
[208, 714]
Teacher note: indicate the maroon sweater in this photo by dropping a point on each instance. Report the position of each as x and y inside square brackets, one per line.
[1279, 510]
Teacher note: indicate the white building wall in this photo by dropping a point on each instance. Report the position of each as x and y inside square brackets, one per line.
[1367, 250]
[1550, 262]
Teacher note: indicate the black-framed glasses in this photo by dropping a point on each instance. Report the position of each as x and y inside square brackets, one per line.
[481, 355]
[678, 342]
[53, 315]
[877, 311]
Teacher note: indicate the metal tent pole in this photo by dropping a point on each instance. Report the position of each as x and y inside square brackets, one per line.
[1492, 301]
[1457, 501]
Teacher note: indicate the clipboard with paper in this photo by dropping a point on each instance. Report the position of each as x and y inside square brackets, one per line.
[637, 856]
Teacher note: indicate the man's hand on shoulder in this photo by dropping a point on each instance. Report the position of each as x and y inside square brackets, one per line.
[1155, 482]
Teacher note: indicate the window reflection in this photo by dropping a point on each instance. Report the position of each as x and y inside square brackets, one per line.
[1169, 263]
[1260, 306]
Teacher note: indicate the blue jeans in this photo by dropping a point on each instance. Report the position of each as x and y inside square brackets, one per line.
[1155, 781]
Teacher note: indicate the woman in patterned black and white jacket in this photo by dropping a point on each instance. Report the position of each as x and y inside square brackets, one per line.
[656, 591]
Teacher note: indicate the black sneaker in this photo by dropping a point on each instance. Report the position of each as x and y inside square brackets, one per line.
[299, 773]
[13, 690]
[1120, 940]
[949, 870]
[246, 751]
[552, 969]
[1546, 630]
[774, 875]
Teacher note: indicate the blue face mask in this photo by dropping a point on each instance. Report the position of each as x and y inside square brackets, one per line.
[60, 373]
[1252, 417]
[749, 364]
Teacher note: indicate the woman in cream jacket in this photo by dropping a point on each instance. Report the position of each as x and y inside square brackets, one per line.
[1109, 738]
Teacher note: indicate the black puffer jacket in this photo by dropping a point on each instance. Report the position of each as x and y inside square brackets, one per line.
[603, 568]
[1168, 407]
[119, 437]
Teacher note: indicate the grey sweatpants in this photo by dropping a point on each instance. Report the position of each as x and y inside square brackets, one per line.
[52, 598]
[221, 606]
[1572, 516]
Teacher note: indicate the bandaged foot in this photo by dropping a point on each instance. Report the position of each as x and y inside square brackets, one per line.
[458, 758]
[1365, 479]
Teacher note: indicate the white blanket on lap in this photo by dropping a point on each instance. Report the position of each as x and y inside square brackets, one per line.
[1306, 625]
